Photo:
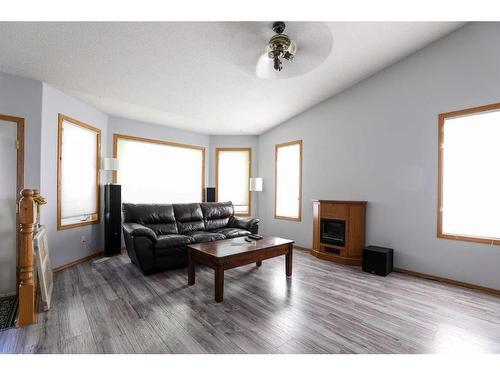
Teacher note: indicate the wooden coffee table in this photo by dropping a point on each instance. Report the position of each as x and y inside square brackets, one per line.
[226, 254]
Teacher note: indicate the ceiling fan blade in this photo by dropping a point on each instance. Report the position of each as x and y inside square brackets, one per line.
[264, 68]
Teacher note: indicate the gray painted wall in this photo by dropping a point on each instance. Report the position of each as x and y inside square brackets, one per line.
[251, 141]
[377, 141]
[66, 245]
[22, 97]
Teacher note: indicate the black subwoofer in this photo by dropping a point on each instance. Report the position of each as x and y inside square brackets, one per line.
[378, 260]
[112, 219]
[210, 194]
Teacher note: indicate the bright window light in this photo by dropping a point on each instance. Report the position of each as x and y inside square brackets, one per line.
[79, 153]
[288, 180]
[470, 177]
[159, 172]
[233, 178]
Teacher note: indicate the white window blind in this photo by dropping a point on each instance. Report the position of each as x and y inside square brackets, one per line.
[471, 175]
[152, 172]
[233, 178]
[79, 156]
[288, 180]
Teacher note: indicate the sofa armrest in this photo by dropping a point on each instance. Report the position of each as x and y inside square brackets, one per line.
[248, 223]
[138, 230]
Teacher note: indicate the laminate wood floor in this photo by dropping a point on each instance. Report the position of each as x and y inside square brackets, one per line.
[110, 307]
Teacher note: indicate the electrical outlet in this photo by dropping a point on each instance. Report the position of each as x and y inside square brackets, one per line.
[84, 239]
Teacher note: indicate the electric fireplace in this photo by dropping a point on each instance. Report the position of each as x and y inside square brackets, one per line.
[333, 232]
[339, 231]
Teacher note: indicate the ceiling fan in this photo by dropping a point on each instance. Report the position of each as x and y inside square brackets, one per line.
[264, 50]
[280, 46]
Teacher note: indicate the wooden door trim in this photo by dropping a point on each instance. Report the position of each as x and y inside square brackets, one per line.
[20, 175]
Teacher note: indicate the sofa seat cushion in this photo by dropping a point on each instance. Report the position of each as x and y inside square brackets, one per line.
[172, 240]
[201, 236]
[232, 232]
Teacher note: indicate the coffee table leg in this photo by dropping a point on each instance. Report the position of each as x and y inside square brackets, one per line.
[219, 284]
[259, 263]
[191, 268]
[288, 261]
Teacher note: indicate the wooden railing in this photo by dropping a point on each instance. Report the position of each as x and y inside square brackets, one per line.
[27, 218]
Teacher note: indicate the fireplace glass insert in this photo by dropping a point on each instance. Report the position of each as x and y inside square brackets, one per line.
[333, 232]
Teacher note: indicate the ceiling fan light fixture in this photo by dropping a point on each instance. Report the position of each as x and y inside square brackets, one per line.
[280, 46]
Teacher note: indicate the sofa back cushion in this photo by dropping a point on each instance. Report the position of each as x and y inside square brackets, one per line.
[159, 217]
[189, 217]
[217, 215]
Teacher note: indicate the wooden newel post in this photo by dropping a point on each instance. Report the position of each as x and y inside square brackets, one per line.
[27, 219]
[37, 212]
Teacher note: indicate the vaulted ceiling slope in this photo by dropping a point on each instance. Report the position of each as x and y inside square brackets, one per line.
[184, 75]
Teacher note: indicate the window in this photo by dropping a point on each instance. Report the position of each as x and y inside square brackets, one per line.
[233, 169]
[469, 175]
[154, 171]
[79, 150]
[288, 185]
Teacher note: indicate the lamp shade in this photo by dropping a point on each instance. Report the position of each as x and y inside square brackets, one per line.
[110, 164]
[256, 183]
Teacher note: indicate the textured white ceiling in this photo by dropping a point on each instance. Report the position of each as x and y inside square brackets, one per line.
[183, 74]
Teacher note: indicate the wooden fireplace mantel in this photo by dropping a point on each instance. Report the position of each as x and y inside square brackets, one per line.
[339, 202]
[350, 212]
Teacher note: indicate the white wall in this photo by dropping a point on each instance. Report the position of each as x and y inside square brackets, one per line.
[377, 141]
[66, 245]
[251, 141]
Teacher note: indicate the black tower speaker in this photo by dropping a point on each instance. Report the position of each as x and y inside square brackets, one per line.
[112, 219]
[210, 194]
[378, 260]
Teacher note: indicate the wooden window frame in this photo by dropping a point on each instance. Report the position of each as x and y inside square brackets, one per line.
[249, 150]
[95, 217]
[441, 120]
[117, 137]
[276, 147]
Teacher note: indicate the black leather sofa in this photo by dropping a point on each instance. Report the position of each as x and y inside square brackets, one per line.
[157, 235]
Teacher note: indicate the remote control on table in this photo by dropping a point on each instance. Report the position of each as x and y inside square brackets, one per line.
[255, 236]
